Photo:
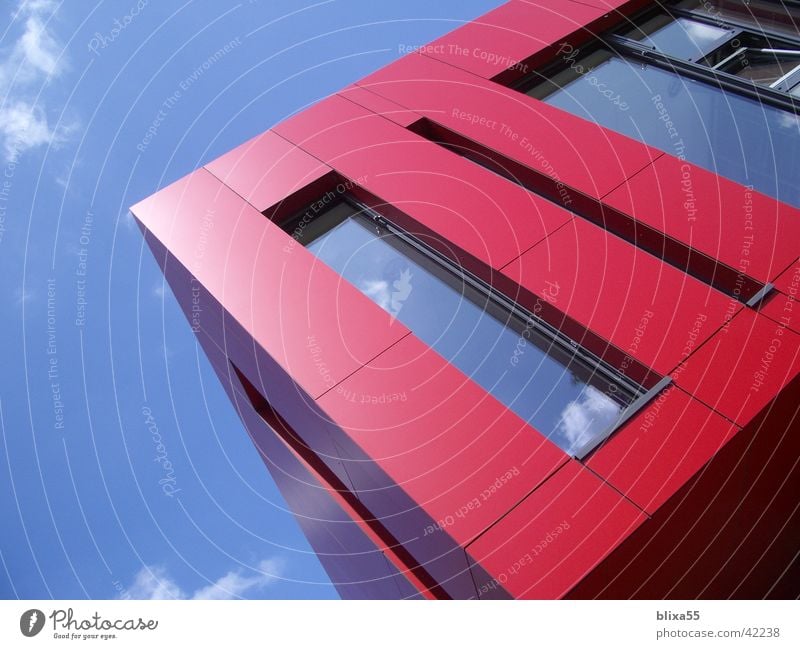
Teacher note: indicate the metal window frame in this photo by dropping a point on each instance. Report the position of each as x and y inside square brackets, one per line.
[638, 394]
[539, 325]
[732, 22]
[628, 48]
[651, 12]
[633, 49]
[624, 417]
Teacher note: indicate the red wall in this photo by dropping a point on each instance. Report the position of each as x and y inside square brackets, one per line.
[695, 496]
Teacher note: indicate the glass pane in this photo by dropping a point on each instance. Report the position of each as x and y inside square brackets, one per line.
[761, 66]
[734, 136]
[541, 382]
[774, 16]
[681, 37]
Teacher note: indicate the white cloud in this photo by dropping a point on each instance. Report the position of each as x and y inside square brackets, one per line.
[25, 67]
[583, 418]
[236, 584]
[153, 582]
[23, 127]
[37, 48]
[790, 121]
[378, 291]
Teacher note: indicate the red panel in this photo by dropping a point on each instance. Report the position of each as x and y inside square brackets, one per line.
[379, 105]
[316, 325]
[781, 306]
[661, 448]
[542, 548]
[743, 367]
[266, 169]
[783, 309]
[789, 280]
[746, 230]
[633, 300]
[510, 34]
[581, 154]
[456, 451]
[464, 204]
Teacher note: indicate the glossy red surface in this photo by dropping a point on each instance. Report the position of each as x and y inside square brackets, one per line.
[783, 309]
[456, 201]
[509, 35]
[462, 456]
[788, 282]
[632, 299]
[379, 105]
[582, 155]
[556, 536]
[316, 325]
[742, 368]
[653, 455]
[266, 170]
[382, 431]
[748, 231]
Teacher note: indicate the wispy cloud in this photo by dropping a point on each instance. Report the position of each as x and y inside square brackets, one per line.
[154, 582]
[25, 66]
[235, 583]
[588, 415]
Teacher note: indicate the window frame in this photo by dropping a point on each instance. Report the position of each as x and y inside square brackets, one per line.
[639, 395]
[631, 49]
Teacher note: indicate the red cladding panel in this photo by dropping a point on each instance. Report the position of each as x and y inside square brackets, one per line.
[782, 308]
[379, 105]
[743, 367]
[510, 34]
[746, 230]
[316, 325]
[266, 169]
[649, 309]
[788, 281]
[550, 541]
[456, 451]
[581, 154]
[661, 448]
[464, 204]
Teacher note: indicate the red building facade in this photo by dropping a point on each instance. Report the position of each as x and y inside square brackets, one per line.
[676, 285]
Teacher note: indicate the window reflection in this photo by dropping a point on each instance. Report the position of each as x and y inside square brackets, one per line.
[779, 17]
[681, 37]
[734, 136]
[540, 380]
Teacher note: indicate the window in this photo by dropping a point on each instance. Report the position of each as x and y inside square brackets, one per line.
[781, 18]
[716, 94]
[681, 37]
[723, 277]
[768, 61]
[779, 69]
[562, 390]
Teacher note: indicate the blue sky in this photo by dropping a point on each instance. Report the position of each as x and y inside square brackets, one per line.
[101, 105]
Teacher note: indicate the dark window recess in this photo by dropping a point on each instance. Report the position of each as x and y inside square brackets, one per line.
[565, 392]
[724, 278]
